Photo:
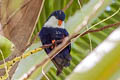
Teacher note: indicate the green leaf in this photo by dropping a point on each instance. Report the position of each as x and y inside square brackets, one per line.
[6, 46]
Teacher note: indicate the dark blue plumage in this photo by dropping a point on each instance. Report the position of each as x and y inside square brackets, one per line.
[58, 14]
[47, 34]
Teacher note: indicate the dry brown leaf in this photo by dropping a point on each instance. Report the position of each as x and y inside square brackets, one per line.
[20, 26]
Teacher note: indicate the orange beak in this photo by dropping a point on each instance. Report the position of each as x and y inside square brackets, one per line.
[59, 22]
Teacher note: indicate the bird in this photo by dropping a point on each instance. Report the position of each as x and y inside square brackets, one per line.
[53, 30]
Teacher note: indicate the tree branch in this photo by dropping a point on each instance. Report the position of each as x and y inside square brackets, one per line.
[67, 43]
[102, 28]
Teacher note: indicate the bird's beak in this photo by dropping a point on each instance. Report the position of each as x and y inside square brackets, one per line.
[60, 22]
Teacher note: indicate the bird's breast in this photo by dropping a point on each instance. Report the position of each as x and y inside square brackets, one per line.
[57, 34]
[54, 33]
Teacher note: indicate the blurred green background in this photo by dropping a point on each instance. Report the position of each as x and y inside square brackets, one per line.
[81, 47]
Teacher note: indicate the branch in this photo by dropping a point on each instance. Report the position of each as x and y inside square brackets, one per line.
[46, 60]
[102, 28]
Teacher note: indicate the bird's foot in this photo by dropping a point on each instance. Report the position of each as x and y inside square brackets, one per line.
[53, 44]
[53, 41]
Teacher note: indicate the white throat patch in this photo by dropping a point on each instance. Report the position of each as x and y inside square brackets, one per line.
[53, 22]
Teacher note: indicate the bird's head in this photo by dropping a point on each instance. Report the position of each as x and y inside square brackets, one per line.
[56, 19]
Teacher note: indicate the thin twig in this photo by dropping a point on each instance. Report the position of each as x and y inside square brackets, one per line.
[44, 74]
[4, 64]
[80, 3]
[68, 5]
[102, 28]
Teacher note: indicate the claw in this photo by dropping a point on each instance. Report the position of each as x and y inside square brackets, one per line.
[54, 45]
[53, 41]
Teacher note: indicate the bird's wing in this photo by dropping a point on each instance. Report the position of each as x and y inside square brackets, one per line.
[45, 38]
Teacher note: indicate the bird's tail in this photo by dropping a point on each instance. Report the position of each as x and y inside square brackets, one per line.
[59, 67]
[60, 64]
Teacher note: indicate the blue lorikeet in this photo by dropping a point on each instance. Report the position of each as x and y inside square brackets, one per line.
[53, 30]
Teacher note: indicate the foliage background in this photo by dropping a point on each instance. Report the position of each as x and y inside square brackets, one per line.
[80, 48]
